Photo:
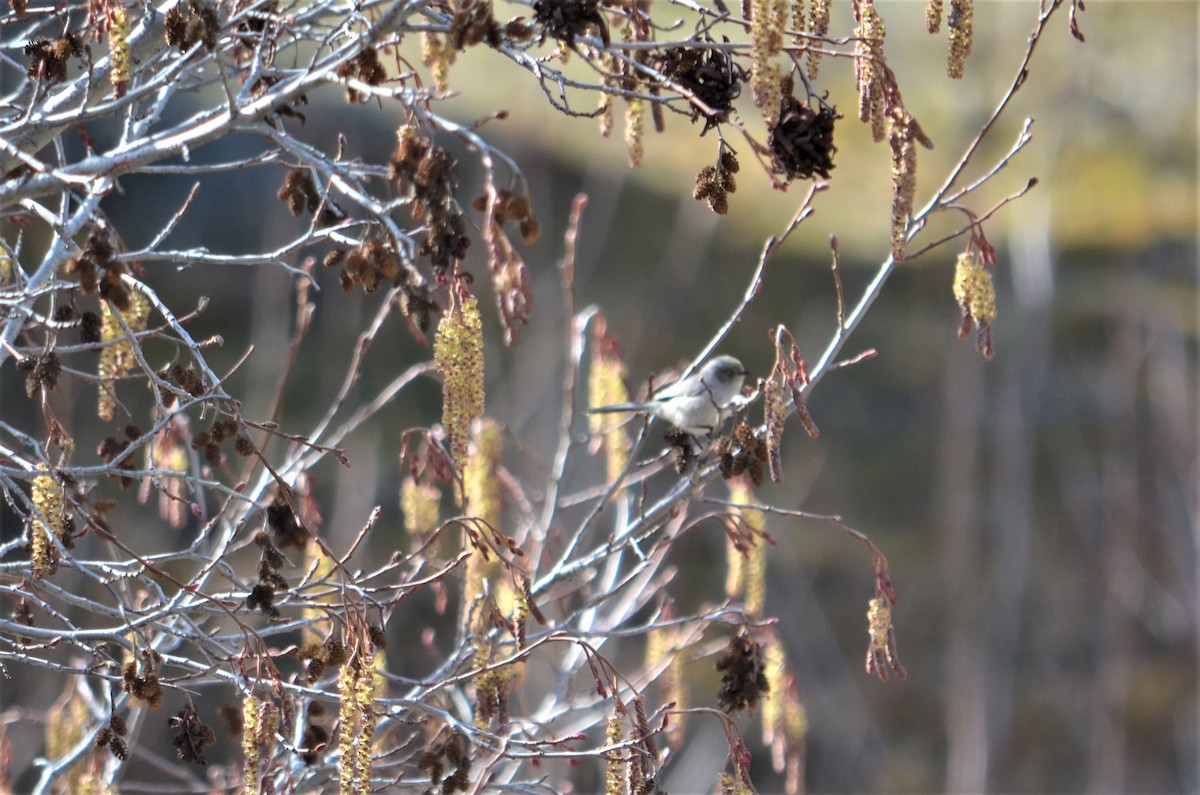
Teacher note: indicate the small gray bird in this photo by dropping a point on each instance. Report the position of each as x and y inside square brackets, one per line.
[694, 403]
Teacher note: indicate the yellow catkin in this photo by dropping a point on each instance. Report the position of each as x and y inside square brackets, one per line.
[605, 116]
[962, 36]
[767, 23]
[774, 417]
[799, 19]
[64, 729]
[976, 296]
[117, 359]
[933, 16]
[614, 764]
[421, 506]
[252, 720]
[677, 692]
[480, 482]
[756, 566]
[520, 614]
[379, 673]
[983, 297]
[974, 289]
[818, 25]
[606, 387]
[47, 496]
[754, 577]
[605, 107]
[438, 57]
[64, 725]
[118, 48]
[756, 574]
[367, 685]
[735, 561]
[772, 707]
[6, 265]
[485, 576]
[659, 646]
[728, 784]
[316, 617]
[868, 53]
[904, 178]
[493, 686]
[458, 350]
[735, 571]
[170, 454]
[879, 619]
[795, 717]
[962, 278]
[635, 127]
[356, 719]
[482, 488]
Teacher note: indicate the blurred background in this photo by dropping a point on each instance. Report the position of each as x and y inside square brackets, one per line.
[1038, 510]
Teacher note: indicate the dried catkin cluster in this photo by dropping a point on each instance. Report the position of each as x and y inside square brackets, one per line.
[743, 674]
[100, 269]
[48, 59]
[743, 452]
[801, 142]
[41, 372]
[192, 736]
[510, 206]
[299, 192]
[710, 76]
[715, 183]
[566, 19]
[427, 175]
[192, 22]
[371, 265]
[473, 23]
[453, 751]
[365, 68]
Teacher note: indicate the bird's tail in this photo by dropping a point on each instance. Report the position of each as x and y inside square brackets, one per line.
[620, 407]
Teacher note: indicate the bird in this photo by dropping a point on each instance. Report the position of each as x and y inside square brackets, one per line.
[693, 404]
